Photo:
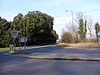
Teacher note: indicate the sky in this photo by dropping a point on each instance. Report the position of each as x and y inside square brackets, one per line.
[54, 8]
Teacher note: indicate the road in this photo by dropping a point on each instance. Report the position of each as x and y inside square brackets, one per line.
[23, 66]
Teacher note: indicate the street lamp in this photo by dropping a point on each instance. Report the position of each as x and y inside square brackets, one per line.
[72, 20]
[71, 14]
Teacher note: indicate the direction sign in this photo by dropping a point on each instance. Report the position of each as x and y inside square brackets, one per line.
[23, 39]
[14, 33]
[99, 34]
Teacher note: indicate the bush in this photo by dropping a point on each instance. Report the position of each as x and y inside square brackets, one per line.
[66, 37]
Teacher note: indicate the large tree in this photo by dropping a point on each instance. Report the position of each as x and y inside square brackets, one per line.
[97, 29]
[4, 32]
[82, 22]
[73, 29]
[36, 26]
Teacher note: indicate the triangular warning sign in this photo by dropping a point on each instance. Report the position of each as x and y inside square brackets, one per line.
[14, 33]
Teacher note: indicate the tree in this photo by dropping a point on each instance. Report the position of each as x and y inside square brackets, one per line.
[82, 22]
[36, 26]
[66, 37]
[81, 29]
[97, 29]
[73, 29]
[4, 33]
[17, 22]
[85, 29]
[90, 27]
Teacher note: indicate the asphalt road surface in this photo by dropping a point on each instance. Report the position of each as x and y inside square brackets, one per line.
[23, 66]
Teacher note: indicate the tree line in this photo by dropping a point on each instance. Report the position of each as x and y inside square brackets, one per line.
[35, 25]
[81, 31]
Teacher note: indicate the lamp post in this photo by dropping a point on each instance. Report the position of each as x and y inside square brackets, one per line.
[72, 21]
[71, 14]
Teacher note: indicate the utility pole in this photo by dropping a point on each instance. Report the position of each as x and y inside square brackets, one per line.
[72, 19]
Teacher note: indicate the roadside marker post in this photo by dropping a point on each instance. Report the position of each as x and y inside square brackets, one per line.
[14, 35]
[11, 48]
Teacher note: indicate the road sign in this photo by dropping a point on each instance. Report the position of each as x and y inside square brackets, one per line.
[23, 39]
[14, 33]
[99, 34]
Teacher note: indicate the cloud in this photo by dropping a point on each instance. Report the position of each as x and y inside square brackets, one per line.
[57, 2]
[60, 24]
[51, 3]
[37, 3]
[11, 18]
[61, 20]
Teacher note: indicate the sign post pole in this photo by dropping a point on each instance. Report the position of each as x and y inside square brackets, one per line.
[14, 35]
[23, 40]
[14, 44]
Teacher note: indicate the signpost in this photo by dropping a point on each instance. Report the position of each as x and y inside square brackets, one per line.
[23, 40]
[14, 35]
[99, 34]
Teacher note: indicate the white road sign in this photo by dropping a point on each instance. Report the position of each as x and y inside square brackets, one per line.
[14, 33]
[23, 39]
[99, 34]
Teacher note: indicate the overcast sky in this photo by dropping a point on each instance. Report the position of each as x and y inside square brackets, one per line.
[55, 8]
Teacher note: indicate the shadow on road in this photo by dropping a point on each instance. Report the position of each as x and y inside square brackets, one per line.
[6, 58]
[48, 49]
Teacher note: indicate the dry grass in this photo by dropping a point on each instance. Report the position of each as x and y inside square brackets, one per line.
[94, 45]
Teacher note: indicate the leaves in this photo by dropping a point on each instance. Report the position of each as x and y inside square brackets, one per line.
[97, 29]
[4, 32]
[67, 37]
[82, 29]
[35, 25]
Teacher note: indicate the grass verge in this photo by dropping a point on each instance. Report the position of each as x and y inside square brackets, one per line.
[91, 45]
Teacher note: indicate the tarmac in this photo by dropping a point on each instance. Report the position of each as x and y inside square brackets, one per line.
[57, 56]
